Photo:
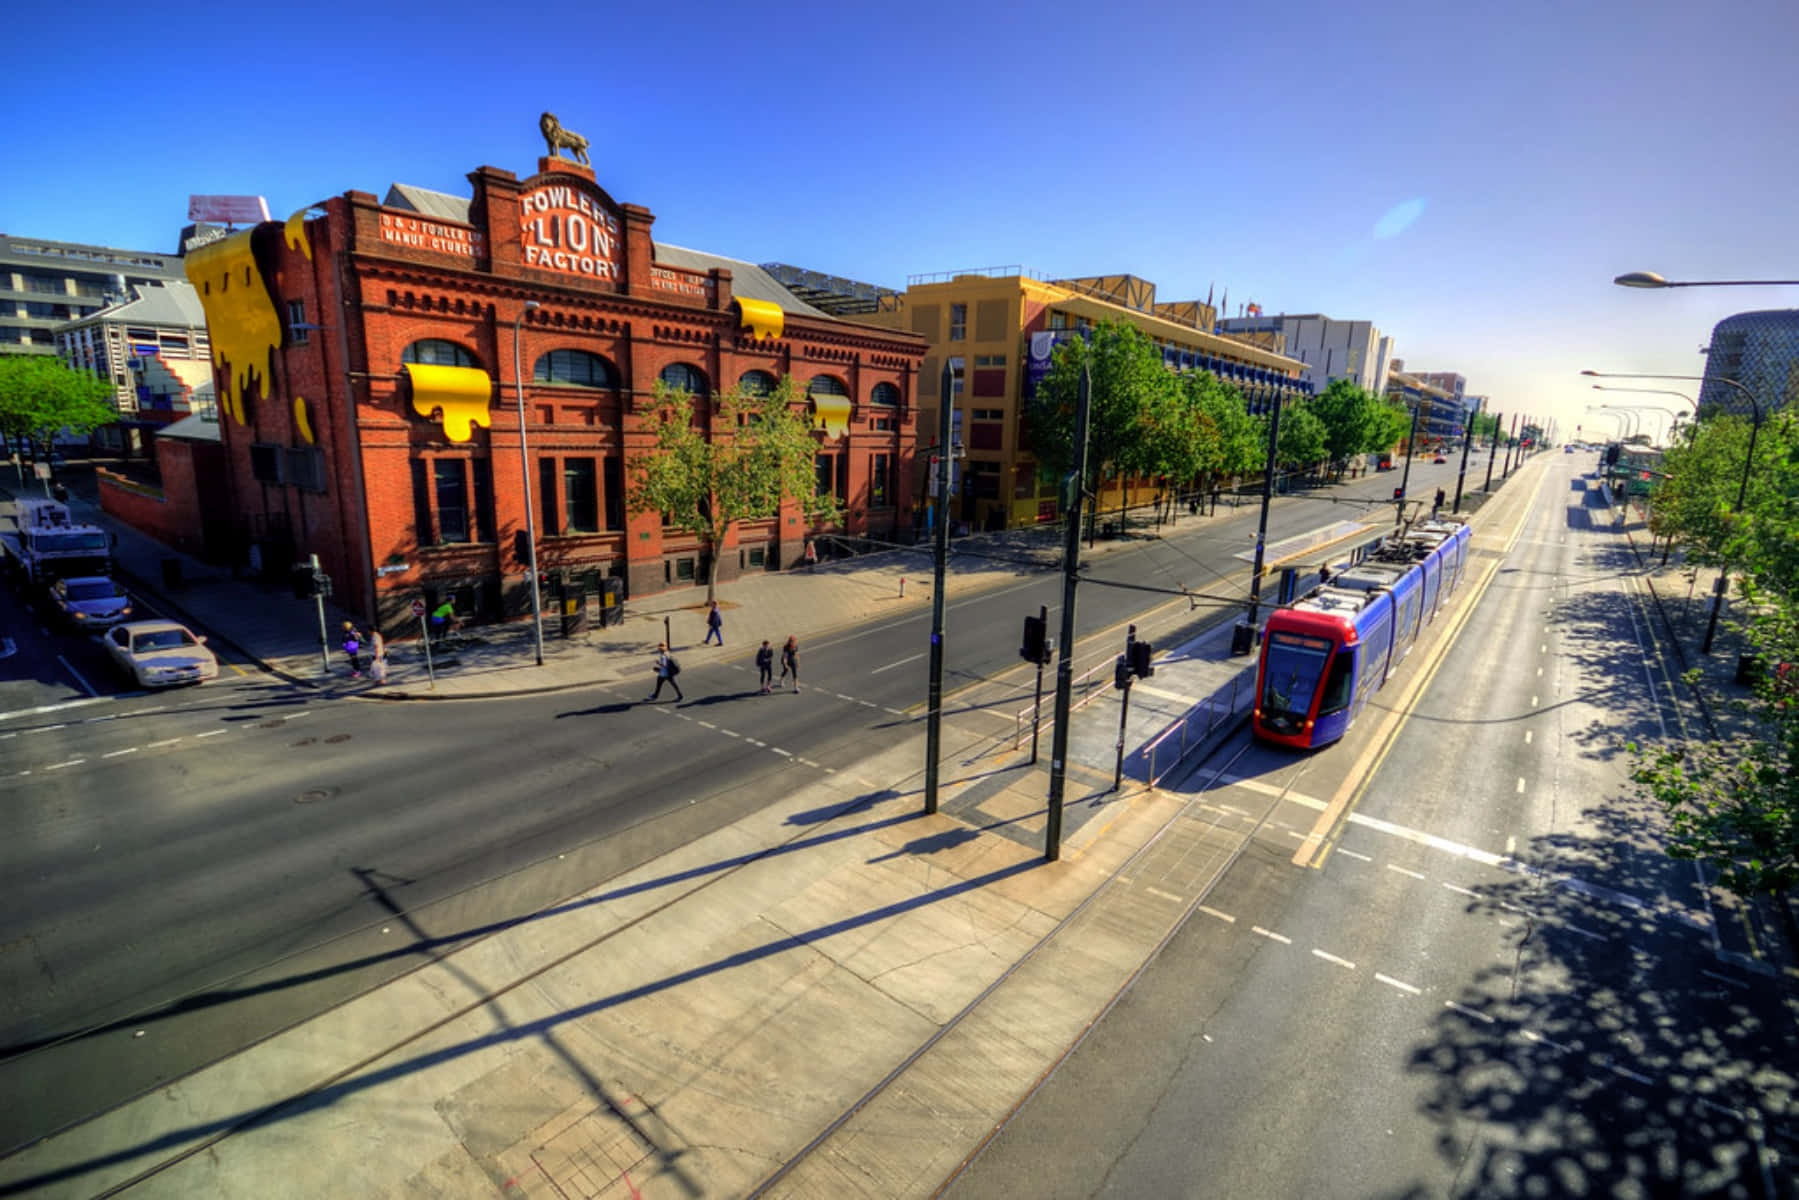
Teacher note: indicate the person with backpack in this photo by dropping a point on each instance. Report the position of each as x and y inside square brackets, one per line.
[790, 661]
[352, 646]
[765, 666]
[715, 624]
[666, 670]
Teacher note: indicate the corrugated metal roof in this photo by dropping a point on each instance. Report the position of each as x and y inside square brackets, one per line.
[173, 303]
[747, 279]
[441, 205]
[196, 427]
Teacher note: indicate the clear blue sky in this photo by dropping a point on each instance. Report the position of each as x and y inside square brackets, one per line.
[1544, 147]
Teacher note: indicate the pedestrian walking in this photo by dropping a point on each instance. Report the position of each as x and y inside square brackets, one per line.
[377, 657]
[811, 555]
[790, 661]
[442, 618]
[666, 670]
[715, 624]
[765, 666]
[352, 647]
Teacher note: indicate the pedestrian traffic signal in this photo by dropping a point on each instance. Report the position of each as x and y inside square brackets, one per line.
[1139, 660]
[321, 584]
[1121, 674]
[1035, 648]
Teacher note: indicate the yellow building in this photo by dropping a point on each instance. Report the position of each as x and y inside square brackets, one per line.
[997, 328]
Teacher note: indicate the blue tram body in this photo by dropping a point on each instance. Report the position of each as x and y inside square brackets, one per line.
[1324, 655]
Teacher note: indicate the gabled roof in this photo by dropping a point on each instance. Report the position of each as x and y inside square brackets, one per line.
[747, 279]
[431, 204]
[174, 303]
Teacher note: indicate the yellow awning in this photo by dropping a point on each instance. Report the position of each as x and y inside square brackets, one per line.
[763, 318]
[831, 414]
[462, 393]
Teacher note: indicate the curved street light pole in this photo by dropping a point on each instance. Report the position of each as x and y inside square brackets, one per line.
[1601, 387]
[524, 460]
[1649, 279]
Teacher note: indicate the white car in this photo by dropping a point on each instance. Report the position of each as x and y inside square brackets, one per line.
[160, 653]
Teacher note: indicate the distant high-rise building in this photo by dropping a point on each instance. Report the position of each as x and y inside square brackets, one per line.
[1353, 350]
[44, 284]
[1759, 350]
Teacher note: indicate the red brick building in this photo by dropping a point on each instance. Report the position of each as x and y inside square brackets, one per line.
[369, 402]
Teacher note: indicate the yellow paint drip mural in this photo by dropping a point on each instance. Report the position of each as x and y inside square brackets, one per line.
[832, 414]
[240, 318]
[303, 420]
[461, 393]
[763, 318]
[294, 233]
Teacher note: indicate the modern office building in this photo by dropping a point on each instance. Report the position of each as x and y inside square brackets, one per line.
[1759, 350]
[997, 329]
[1330, 349]
[400, 380]
[44, 284]
[1440, 413]
[152, 348]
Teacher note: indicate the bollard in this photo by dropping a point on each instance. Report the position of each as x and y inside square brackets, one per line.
[902, 587]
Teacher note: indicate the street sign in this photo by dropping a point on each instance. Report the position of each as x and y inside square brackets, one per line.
[418, 608]
[41, 470]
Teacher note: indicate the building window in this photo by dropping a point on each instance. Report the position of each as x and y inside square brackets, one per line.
[486, 527]
[1058, 320]
[880, 471]
[437, 352]
[265, 463]
[989, 360]
[827, 385]
[546, 497]
[451, 478]
[756, 556]
[575, 368]
[615, 493]
[757, 383]
[822, 464]
[885, 395]
[421, 504]
[296, 317]
[304, 468]
[684, 378]
[958, 322]
[580, 496]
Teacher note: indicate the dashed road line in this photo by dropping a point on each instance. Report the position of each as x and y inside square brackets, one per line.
[1735, 983]
[1271, 935]
[118, 753]
[164, 742]
[1468, 1012]
[1222, 916]
[1399, 983]
[708, 725]
[1628, 1074]
[806, 762]
[1168, 896]
[1462, 891]
[46, 728]
[211, 733]
[781, 752]
[1407, 871]
[1331, 958]
[73, 762]
[1353, 854]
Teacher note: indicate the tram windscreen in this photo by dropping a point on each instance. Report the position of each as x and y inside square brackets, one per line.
[1294, 665]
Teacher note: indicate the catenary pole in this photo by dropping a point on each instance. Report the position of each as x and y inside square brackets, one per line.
[1467, 442]
[1405, 476]
[939, 573]
[1255, 573]
[1073, 492]
[1493, 450]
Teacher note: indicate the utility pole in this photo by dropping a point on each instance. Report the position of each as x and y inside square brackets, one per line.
[940, 570]
[1405, 476]
[1493, 451]
[1073, 491]
[318, 595]
[1506, 472]
[1255, 574]
[1122, 676]
[1467, 441]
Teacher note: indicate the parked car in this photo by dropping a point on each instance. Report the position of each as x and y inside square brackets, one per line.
[1439, 459]
[90, 602]
[160, 653]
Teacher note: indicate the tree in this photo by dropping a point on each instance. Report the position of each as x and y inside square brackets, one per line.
[1352, 419]
[1130, 411]
[1303, 437]
[1241, 442]
[759, 451]
[1694, 503]
[40, 397]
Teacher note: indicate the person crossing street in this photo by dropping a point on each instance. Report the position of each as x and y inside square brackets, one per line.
[666, 670]
[790, 661]
[765, 666]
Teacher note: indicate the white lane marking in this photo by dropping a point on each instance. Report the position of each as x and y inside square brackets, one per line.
[1468, 1012]
[1270, 934]
[900, 712]
[1533, 701]
[1269, 789]
[1406, 871]
[46, 728]
[805, 762]
[1511, 846]
[1539, 672]
[781, 752]
[41, 709]
[295, 716]
[212, 733]
[79, 678]
[13, 734]
[902, 662]
[1721, 1108]
[752, 741]
[117, 753]
[1735, 983]
[1400, 984]
[1222, 916]
[1531, 1035]
[1168, 896]
[1527, 736]
[1462, 890]
[97, 720]
[73, 762]
[841, 696]
[1632, 1075]
[868, 704]
[1353, 854]
[1331, 958]
[164, 742]
[1543, 649]
[708, 725]
[730, 733]
[26, 771]
[1520, 785]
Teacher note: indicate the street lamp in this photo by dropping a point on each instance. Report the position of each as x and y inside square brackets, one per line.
[1673, 417]
[1644, 391]
[524, 460]
[1649, 279]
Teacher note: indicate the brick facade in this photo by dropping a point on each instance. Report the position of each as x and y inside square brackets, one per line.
[374, 280]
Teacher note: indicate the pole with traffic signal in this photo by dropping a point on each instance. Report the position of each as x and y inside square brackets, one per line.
[1074, 486]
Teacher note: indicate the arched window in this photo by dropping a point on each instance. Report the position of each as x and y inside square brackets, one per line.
[684, 378]
[437, 352]
[827, 385]
[757, 383]
[575, 368]
[886, 395]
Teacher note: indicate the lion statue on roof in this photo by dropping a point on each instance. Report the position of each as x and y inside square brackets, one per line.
[558, 138]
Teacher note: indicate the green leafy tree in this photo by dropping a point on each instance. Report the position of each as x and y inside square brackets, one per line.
[1352, 419]
[760, 451]
[41, 397]
[1132, 409]
[1695, 503]
[1242, 440]
[1304, 438]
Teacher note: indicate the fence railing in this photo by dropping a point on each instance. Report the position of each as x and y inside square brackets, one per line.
[1170, 749]
[1029, 715]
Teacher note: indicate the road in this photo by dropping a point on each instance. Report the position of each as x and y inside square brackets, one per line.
[1494, 984]
[190, 871]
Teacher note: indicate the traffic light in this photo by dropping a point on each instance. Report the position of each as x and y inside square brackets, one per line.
[1139, 660]
[321, 584]
[1121, 674]
[1035, 648]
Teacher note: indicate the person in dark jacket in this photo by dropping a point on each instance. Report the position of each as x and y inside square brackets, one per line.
[765, 666]
[715, 624]
[790, 661]
[666, 670]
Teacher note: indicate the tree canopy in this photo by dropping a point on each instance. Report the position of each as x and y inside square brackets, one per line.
[41, 397]
[759, 451]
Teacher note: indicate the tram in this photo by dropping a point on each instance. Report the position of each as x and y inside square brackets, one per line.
[1325, 654]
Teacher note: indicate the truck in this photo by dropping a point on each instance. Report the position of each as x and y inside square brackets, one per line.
[46, 543]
